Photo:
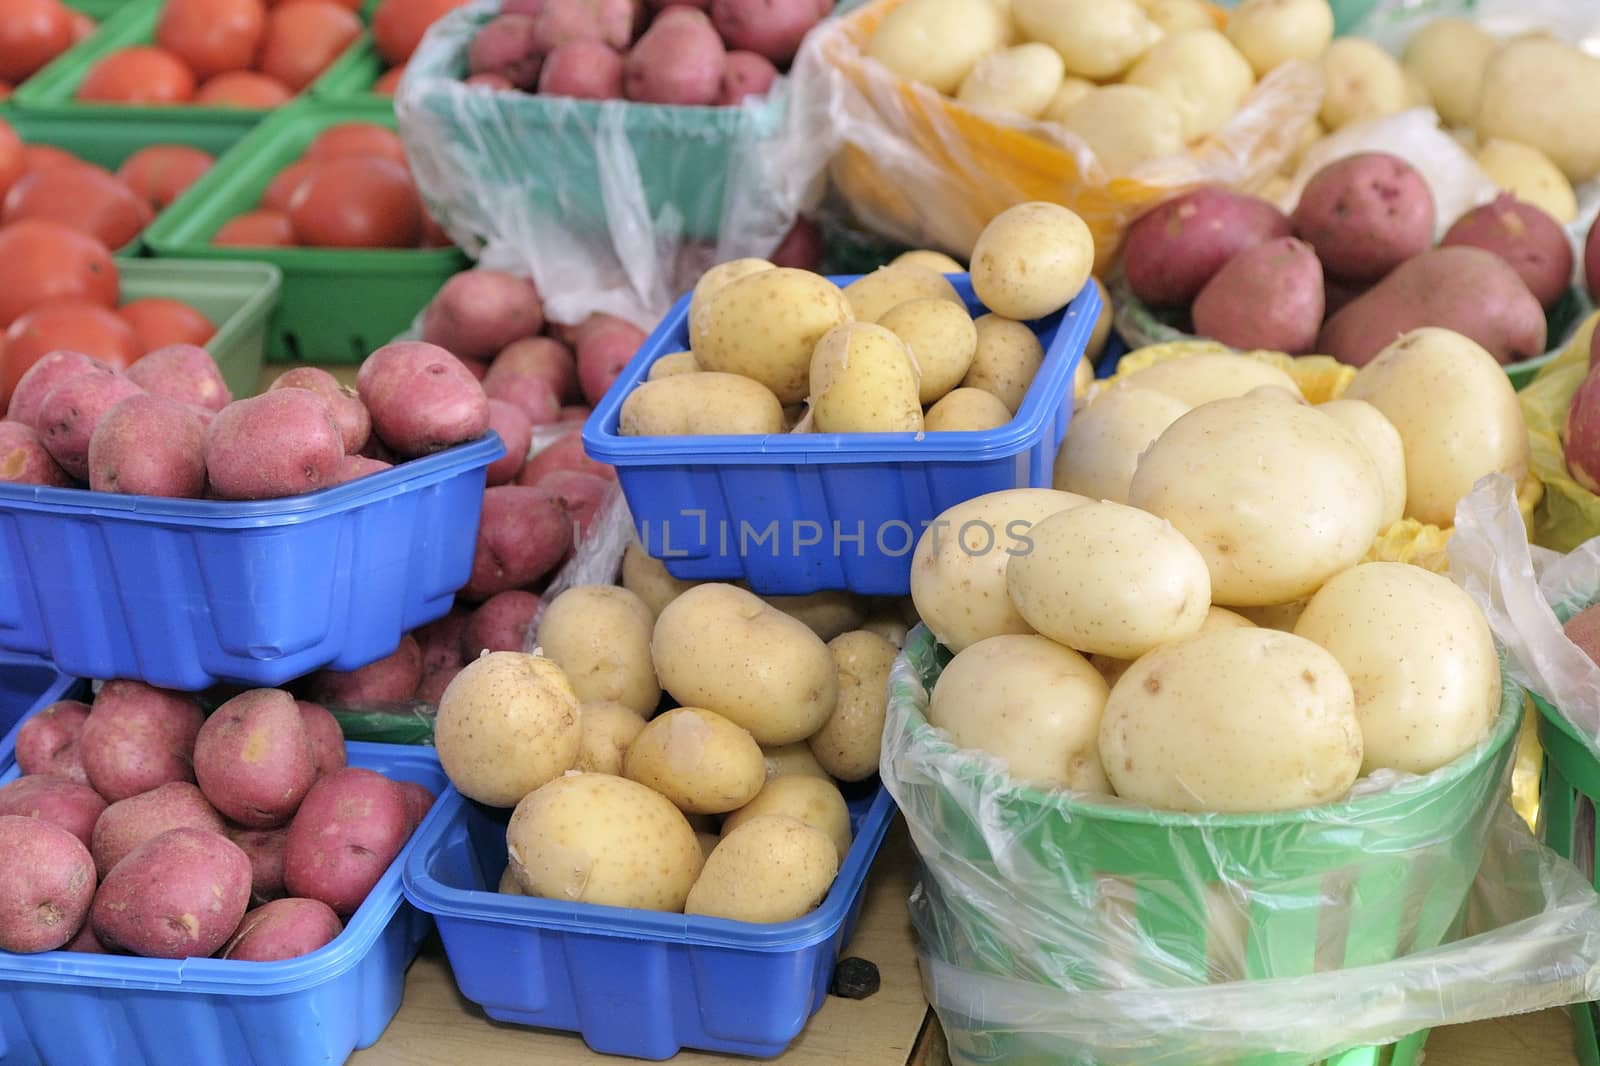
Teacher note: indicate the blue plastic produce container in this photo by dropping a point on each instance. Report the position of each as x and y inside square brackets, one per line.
[800, 512]
[632, 982]
[28, 685]
[186, 594]
[64, 1008]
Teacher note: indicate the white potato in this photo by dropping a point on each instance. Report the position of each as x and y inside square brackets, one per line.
[1270, 33]
[594, 838]
[888, 625]
[1030, 703]
[966, 409]
[1277, 496]
[647, 578]
[815, 801]
[874, 295]
[1021, 79]
[600, 637]
[507, 723]
[1007, 357]
[764, 326]
[1175, 16]
[864, 380]
[508, 884]
[1031, 260]
[1529, 175]
[698, 403]
[1363, 82]
[1416, 89]
[1457, 414]
[1201, 73]
[1102, 325]
[1450, 56]
[942, 339]
[1082, 379]
[848, 744]
[827, 613]
[1103, 442]
[1198, 379]
[771, 869]
[796, 758]
[1279, 616]
[1420, 656]
[697, 759]
[712, 282]
[669, 365]
[1381, 441]
[1111, 668]
[935, 261]
[958, 570]
[1072, 90]
[608, 728]
[1546, 94]
[936, 42]
[1099, 39]
[1235, 721]
[1126, 125]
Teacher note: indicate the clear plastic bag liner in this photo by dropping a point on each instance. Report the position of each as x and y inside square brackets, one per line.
[1071, 930]
[610, 206]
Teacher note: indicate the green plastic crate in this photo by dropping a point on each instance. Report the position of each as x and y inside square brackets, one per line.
[337, 304]
[1412, 845]
[238, 298]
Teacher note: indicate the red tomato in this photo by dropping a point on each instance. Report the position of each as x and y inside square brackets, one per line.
[390, 82]
[32, 33]
[243, 88]
[158, 322]
[282, 187]
[72, 324]
[398, 25]
[5, 90]
[82, 25]
[138, 75]
[86, 197]
[357, 202]
[12, 162]
[303, 37]
[42, 260]
[256, 229]
[159, 174]
[357, 138]
[433, 234]
[45, 156]
[212, 36]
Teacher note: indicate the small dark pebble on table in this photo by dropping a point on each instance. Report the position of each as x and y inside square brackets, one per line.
[854, 978]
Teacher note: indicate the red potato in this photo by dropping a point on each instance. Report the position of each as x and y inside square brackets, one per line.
[1173, 250]
[281, 443]
[508, 45]
[391, 679]
[264, 848]
[583, 70]
[36, 383]
[559, 22]
[801, 248]
[283, 929]
[149, 446]
[1591, 262]
[746, 74]
[47, 743]
[344, 836]
[501, 623]
[138, 738]
[254, 760]
[679, 60]
[575, 415]
[67, 417]
[179, 895]
[443, 642]
[86, 943]
[433, 685]
[419, 801]
[514, 429]
[1365, 215]
[579, 496]
[24, 460]
[522, 535]
[46, 885]
[67, 804]
[185, 373]
[534, 397]
[603, 353]
[494, 82]
[1583, 629]
[128, 823]
[538, 357]
[422, 398]
[1337, 296]
[327, 738]
[1581, 446]
[565, 454]
[356, 467]
[1531, 241]
[349, 413]
[615, 18]
[477, 313]
[770, 28]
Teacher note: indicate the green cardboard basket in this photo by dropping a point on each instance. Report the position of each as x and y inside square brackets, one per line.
[337, 304]
[1403, 860]
[237, 297]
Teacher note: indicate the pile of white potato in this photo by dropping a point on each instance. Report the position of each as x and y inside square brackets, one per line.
[776, 350]
[725, 805]
[1186, 619]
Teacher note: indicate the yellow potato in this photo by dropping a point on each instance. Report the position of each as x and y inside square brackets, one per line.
[1201, 73]
[698, 403]
[1457, 415]
[1241, 720]
[1422, 659]
[827, 613]
[864, 380]
[508, 884]
[1279, 616]
[935, 261]
[1021, 79]
[966, 410]
[1530, 176]
[1030, 703]
[1102, 326]
[1175, 16]
[958, 570]
[874, 295]
[942, 339]
[771, 869]
[1310, 134]
[888, 625]
[815, 801]
[1416, 89]
[1377, 435]
[1072, 90]
[712, 282]
[608, 728]
[1107, 579]
[848, 744]
[507, 723]
[1031, 260]
[765, 326]
[1198, 379]
[936, 42]
[647, 578]
[1007, 358]
[1103, 442]
[1217, 618]
[669, 365]
[594, 838]
[1363, 82]
[1546, 94]
[721, 648]
[708, 842]
[1126, 125]
[1099, 39]
[1269, 33]
[600, 637]
[796, 758]
[697, 759]
[1082, 379]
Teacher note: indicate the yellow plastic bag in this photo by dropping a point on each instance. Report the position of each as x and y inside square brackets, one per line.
[1569, 513]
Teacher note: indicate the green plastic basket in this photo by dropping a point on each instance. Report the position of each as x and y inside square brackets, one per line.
[238, 298]
[1400, 864]
[337, 304]
[351, 81]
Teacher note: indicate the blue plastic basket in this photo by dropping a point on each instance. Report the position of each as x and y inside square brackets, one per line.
[801, 512]
[59, 1008]
[28, 685]
[632, 982]
[186, 594]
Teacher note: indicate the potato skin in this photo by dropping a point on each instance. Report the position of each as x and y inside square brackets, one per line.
[1524, 236]
[943, 340]
[149, 446]
[1103, 441]
[325, 734]
[253, 758]
[1007, 357]
[68, 804]
[283, 929]
[391, 679]
[1031, 260]
[349, 413]
[184, 373]
[1450, 56]
[508, 723]
[139, 737]
[24, 460]
[864, 380]
[126, 824]
[1523, 79]
[179, 895]
[522, 535]
[46, 885]
[608, 730]
[796, 758]
[848, 744]
[815, 801]
[476, 313]
[827, 613]
[700, 403]
[1365, 214]
[1174, 249]
[1268, 297]
[47, 743]
[966, 410]
[68, 414]
[422, 398]
[600, 637]
[278, 444]
[765, 325]
[648, 578]
[677, 61]
[265, 850]
[772, 868]
[697, 759]
[347, 831]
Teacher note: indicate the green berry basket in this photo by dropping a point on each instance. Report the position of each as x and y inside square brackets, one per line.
[337, 304]
[238, 298]
[1146, 918]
